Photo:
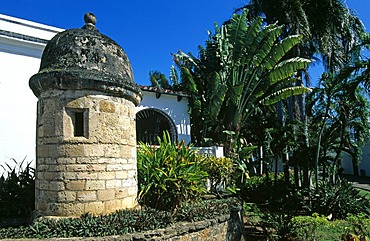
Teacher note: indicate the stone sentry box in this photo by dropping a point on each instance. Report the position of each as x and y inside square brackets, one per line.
[86, 136]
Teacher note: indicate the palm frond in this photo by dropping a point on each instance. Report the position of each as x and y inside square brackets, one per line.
[284, 94]
[189, 83]
[269, 36]
[252, 31]
[236, 30]
[287, 68]
[280, 49]
[217, 91]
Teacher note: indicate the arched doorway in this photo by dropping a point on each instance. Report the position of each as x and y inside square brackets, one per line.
[151, 123]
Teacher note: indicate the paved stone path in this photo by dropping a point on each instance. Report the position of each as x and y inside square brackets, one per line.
[359, 182]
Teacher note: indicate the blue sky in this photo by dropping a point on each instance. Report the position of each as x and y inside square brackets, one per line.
[149, 31]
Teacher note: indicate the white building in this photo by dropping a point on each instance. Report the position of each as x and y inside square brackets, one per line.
[363, 167]
[162, 110]
[21, 45]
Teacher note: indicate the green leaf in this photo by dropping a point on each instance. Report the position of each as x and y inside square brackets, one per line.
[284, 94]
[279, 50]
[287, 68]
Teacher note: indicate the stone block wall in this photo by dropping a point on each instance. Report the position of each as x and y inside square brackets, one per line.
[86, 153]
[223, 228]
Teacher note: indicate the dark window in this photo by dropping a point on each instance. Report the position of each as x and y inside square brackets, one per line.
[79, 124]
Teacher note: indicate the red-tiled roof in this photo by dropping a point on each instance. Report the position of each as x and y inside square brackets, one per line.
[162, 91]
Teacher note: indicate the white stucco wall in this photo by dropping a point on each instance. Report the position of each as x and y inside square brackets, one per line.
[177, 110]
[21, 46]
[18, 107]
[364, 164]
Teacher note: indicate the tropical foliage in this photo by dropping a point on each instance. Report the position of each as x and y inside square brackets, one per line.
[338, 42]
[169, 174]
[328, 27]
[158, 79]
[17, 190]
[242, 68]
[339, 110]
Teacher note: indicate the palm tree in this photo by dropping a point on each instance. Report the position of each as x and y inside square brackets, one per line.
[340, 112]
[243, 67]
[328, 27]
[329, 30]
[158, 79]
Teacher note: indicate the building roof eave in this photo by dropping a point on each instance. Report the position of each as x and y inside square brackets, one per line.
[160, 90]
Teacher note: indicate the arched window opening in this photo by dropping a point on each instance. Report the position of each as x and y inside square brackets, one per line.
[151, 123]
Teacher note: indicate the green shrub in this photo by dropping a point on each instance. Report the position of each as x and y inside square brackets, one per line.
[318, 227]
[169, 174]
[219, 171]
[120, 222]
[279, 202]
[359, 225]
[338, 199]
[256, 189]
[260, 189]
[306, 227]
[17, 190]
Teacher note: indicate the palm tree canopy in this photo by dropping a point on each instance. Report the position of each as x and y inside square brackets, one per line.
[244, 65]
[328, 27]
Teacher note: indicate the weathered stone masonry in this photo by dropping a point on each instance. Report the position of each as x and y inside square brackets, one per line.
[86, 137]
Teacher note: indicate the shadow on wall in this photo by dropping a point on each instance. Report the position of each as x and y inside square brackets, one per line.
[235, 226]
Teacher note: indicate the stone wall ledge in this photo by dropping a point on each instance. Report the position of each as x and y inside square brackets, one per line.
[225, 227]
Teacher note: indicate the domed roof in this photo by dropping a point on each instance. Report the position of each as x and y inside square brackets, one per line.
[85, 59]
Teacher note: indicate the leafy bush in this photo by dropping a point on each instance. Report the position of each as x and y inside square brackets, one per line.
[17, 190]
[169, 174]
[318, 227]
[306, 227]
[218, 169]
[256, 189]
[359, 225]
[260, 189]
[338, 199]
[120, 222]
[282, 203]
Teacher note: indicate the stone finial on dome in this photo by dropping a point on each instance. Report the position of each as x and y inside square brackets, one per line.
[90, 21]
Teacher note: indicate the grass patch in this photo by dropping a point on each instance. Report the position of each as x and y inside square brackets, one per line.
[364, 193]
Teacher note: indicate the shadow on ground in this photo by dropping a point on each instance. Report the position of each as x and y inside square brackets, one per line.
[254, 233]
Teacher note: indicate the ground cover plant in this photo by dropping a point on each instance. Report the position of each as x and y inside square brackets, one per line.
[316, 227]
[121, 222]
